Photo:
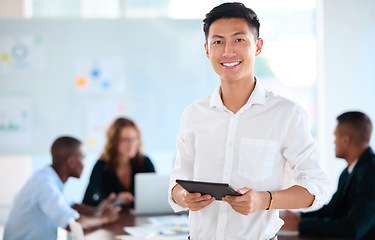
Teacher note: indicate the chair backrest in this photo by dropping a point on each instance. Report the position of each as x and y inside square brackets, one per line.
[76, 231]
[15, 170]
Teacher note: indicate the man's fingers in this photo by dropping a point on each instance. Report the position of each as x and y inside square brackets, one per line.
[235, 199]
[196, 196]
[191, 195]
[243, 190]
[196, 201]
[195, 206]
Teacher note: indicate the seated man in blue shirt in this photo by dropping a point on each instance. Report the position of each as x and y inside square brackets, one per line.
[39, 209]
[351, 212]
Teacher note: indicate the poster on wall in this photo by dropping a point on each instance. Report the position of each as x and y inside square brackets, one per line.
[21, 53]
[15, 122]
[99, 115]
[99, 75]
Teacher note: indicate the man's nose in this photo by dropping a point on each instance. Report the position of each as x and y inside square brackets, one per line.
[229, 50]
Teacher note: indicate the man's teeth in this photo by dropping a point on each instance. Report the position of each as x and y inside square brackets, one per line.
[231, 64]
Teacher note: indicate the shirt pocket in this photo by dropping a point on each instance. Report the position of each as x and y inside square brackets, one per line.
[256, 158]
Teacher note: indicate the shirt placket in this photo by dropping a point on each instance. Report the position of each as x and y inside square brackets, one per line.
[227, 172]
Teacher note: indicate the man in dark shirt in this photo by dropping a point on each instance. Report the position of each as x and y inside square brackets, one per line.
[351, 211]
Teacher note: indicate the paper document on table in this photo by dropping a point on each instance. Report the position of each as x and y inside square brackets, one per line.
[159, 237]
[141, 231]
[165, 227]
[151, 236]
[170, 220]
[127, 237]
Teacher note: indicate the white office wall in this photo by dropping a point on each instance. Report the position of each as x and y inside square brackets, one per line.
[347, 64]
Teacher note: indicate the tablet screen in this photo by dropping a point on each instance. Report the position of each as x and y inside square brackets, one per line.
[217, 190]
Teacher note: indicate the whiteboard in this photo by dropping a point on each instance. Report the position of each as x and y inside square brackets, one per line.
[75, 76]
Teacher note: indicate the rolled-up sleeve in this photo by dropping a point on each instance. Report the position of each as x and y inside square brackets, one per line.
[53, 204]
[184, 163]
[300, 150]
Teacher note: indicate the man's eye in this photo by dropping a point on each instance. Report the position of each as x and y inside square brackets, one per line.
[240, 40]
[218, 42]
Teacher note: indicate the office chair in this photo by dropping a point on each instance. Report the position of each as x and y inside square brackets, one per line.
[76, 231]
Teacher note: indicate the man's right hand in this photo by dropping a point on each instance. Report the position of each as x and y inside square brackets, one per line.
[193, 201]
[107, 201]
[110, 214]
[126, 197]
[197, 201]
[104, 204]
[105, 214]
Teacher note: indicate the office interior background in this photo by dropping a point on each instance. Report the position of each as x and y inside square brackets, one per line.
[71, 67]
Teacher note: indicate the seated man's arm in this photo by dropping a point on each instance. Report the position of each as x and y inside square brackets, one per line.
[84, 209]
[109, 215]
[356, 221]
[91, 217]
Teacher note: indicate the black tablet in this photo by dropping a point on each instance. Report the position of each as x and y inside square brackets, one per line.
[217, 190]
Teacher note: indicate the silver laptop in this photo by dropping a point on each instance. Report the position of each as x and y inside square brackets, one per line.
[151, 194]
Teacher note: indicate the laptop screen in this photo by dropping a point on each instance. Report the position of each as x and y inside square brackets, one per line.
[151, 194]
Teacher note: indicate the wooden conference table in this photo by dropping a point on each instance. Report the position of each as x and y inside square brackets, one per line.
[126, 219]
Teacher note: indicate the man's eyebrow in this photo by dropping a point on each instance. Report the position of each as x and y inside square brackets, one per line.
[217, 36]
[239, 33]
[233, 35]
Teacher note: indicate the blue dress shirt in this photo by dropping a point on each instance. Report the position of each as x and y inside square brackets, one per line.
[39, 208]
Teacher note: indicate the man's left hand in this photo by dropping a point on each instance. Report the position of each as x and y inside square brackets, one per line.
[249, 202]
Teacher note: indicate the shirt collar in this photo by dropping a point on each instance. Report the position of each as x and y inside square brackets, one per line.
[258, 96]
[216, 100]
[366, 154]
[56, 177]
[351, 167]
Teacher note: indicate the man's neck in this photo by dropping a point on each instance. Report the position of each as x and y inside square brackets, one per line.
[355, 154]
[235, 94]
[61, 173]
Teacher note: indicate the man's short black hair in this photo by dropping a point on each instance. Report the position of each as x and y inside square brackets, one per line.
[63, 147]
[232, 10]
[359, 125]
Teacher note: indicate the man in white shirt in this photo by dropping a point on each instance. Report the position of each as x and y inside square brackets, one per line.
[246, 136]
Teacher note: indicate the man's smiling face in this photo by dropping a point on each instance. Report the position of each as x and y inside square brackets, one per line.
[231, 48]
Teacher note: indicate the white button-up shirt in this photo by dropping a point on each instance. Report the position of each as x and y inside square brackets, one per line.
[266, 145]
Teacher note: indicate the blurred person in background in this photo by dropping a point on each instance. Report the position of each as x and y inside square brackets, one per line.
[351, 211]
[121, 159]
[40, 208]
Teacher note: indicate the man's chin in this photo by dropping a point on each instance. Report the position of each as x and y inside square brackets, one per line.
[339, 156]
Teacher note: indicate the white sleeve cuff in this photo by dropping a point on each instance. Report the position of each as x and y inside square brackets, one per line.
[318, 189]
[172, 203]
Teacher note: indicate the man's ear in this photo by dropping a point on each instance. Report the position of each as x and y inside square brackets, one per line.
[259, 45]
[347, 139]
[70, 160]
[207, 50]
